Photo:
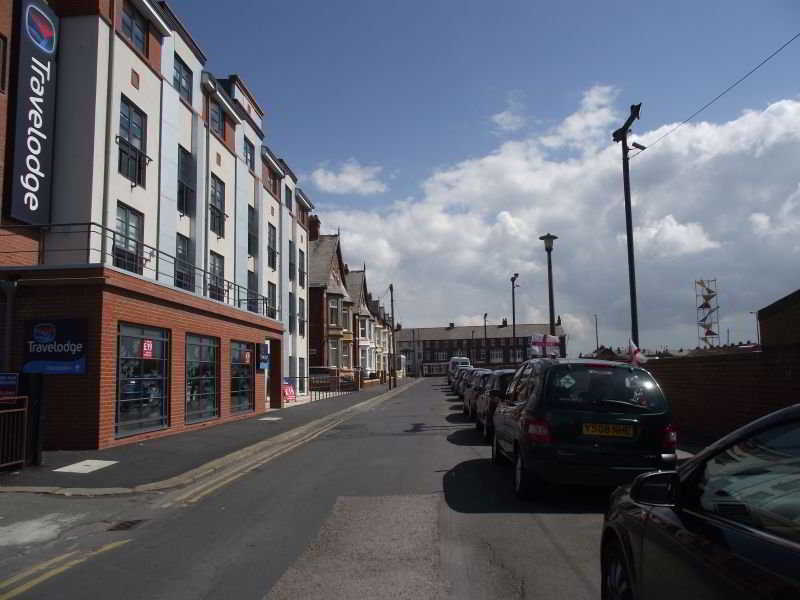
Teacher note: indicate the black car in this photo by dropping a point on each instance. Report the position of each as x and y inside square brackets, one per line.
[486, 402]
[725, 525]
[585, 422]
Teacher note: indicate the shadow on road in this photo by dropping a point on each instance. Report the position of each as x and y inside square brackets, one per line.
[478, 486]
[466, 437]
[458, 418]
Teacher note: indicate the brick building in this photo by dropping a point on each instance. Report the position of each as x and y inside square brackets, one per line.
[428, 349]
[779, 322]
[173, 244]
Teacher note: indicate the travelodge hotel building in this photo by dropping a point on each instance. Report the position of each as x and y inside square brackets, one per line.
[152, 247]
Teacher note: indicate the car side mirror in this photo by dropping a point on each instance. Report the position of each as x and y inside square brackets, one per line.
[656, 489]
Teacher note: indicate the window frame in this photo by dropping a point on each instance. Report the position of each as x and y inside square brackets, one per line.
[183, 74]
[272, 251]
[292, 315]
[249, 154]
[216, 279]
[184, 267]
[288, 196]
[334, 311]
[215, 414]
[187, 183]
[272, 300]
[301, 271]
[239, 350]
[301, 317]
[216, 118]
[216, 206]
[129, 255]
[133, 156]
[252, 230]
[135, 17]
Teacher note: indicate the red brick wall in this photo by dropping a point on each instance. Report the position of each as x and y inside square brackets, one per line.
[81, 409]
[713, 395]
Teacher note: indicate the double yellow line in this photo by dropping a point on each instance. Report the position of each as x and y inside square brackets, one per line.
[49, 569]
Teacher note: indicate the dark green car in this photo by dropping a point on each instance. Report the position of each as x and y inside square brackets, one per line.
[582, 422]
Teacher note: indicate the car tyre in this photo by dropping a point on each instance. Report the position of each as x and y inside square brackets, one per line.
[526, 485]
[615, 579]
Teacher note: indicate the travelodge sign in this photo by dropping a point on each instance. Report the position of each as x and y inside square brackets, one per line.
[35, 103]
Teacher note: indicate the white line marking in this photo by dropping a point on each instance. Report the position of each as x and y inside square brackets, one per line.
[270, 418]
[86, 466]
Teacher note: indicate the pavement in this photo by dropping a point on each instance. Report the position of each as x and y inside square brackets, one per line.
[177, 459]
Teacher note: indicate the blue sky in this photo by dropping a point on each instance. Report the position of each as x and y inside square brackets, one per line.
[422, 98]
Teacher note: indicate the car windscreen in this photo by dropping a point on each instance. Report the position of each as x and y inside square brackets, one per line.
[604, 388]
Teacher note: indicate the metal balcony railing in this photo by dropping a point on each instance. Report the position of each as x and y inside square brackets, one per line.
[93, 244]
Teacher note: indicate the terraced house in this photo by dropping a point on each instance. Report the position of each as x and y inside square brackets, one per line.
[172, 247]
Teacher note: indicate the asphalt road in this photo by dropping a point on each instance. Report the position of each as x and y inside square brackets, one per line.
[400, 501]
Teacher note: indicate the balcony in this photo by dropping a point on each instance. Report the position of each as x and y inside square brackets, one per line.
[93, 244]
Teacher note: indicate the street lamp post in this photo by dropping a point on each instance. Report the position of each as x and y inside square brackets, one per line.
[621, 135]
[548, 240]
[514, 311]
[485, 343]
[472, 347]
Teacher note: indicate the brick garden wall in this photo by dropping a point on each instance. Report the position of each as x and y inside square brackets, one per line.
[713, 395]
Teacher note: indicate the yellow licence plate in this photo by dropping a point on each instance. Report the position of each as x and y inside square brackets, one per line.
[608, 429]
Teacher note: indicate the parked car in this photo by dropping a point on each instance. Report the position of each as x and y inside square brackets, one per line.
[473, 387]
[453, 364]
[486, 401]
[461, 378]
[582, 422]
[726, 524]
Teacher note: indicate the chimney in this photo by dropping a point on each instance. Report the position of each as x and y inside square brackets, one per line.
[313, 228]
[452, 326]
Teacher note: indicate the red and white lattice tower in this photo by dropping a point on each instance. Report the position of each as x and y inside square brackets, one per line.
[707, 303]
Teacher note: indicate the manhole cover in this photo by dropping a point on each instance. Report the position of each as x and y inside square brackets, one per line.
[125, 525]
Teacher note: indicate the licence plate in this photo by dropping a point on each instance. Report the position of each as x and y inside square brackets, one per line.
[606, 429]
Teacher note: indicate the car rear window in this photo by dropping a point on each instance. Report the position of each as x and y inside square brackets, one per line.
[611, 389]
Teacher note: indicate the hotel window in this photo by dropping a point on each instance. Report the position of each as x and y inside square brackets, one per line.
[252, 292]
[333, 312]
[249, 154]
[272, 235]
[216, 118]
[252, 231]
[134, 27]
[132, 142]
[292, 263]
[301, 316]
[128, 247]
[217, 206]
[202, 378]
[301, 265]
[186, 181]
[292, 315]
[182, 79]
[333, 353]
[287, 192]
[271, 300]
[184, 263]
[242, 388]
[142, 379]
[301, 374]
[216, 282]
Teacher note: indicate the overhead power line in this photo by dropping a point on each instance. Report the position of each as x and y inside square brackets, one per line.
[722, 93]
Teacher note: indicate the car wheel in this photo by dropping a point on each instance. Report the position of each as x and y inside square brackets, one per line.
[526, 484]
[497, 455]
[616, 582]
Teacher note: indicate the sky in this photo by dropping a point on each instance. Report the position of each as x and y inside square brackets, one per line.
[443, 137]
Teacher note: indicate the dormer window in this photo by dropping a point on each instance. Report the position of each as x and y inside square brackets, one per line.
[216, 119]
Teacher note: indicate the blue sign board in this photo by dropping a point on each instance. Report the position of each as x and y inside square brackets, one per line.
[55, 347]
[9, 384]
[263, 357]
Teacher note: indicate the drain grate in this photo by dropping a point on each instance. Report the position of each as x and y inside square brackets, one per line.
[125, 525]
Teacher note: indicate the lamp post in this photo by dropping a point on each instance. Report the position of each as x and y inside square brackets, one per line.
[485, 343]
[472, 347]
[758, 326]
[548, 240]
[514, 311]
[621, 135]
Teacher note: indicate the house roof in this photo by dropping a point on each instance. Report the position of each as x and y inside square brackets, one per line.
[465, 332]
[780, 305]
[322, 252]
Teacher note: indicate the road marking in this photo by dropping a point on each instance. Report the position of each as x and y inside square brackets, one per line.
[58, 570]
[35, 569]
[270, 418]
[86, 466]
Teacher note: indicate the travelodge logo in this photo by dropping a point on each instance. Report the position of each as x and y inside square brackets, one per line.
[44, 333]
[40, 29]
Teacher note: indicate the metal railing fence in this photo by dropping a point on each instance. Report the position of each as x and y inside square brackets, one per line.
[13, 431]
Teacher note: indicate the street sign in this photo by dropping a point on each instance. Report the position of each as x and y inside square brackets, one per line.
[263, 356]
[55, 347]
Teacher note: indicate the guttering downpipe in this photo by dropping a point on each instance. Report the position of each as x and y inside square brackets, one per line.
[109, 103]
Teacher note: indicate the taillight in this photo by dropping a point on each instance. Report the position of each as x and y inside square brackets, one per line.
[538, 430]
[670, 439]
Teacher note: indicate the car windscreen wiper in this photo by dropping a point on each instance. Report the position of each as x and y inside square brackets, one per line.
[618, 403]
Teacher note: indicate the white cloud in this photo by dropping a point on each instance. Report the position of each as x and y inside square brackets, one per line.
[352, 178]
[712, 200]
[512, 118]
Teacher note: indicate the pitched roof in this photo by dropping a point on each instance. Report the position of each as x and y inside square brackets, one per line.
[355, 285]
[465, 332]
[322, 253]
